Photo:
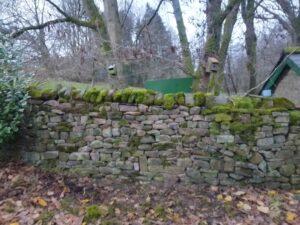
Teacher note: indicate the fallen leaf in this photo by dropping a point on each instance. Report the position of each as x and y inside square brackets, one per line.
[220, 197]
[40, 201]
[15, 223]
[50, 193]
[244, 206]
[290, 216]
[85, 201]
[176, 218]
[239, 193]
[263, 209]
[148, 199]
[214, 188]
[228, 198]
[117, 211]
[130, 216]
[272, 193]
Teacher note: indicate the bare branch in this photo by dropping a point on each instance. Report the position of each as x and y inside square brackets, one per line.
[58, 9]
[125, 17]
[150, 20]
[228, 9]
[52, 22]
[283, 22]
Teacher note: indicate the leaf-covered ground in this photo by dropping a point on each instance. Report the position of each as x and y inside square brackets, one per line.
[31, 196]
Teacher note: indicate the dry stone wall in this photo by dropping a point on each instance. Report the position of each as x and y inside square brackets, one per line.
[152, 143]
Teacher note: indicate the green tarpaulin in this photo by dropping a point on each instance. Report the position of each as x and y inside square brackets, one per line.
[170, 85]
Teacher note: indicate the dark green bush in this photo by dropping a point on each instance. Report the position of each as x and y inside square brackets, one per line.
[13, 93]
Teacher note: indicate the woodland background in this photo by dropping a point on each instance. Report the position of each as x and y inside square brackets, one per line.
[77, 40]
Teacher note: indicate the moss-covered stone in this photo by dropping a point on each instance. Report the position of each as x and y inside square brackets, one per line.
[126, 93]
[91, 94]
[223, 108]
[163, 146]
[64, 127]
[243, 103]
[180, 98]
[214, 129]
[199, 99]
[102, 112]
[101, 96]
[246, 130]
[38, 92]
[283, 103]
[159, 99]
[117, 96]
[35, 93]
[223, 118]
[169, 101]
[134, 142]
[76, 93]
[295, 117]
[240, 158]
[123, 123]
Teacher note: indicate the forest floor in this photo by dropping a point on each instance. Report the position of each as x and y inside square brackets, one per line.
[29, 195]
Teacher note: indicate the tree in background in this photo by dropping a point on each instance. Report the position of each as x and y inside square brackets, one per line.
[287, 13]
[248, 14]
[215, 17]
[184, 44]
[154, 37]
[154, 44]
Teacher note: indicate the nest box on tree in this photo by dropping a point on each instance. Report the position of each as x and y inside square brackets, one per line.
[112, 70]
[212, 65]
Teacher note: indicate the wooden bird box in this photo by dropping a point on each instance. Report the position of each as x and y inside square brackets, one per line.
[112, 70]
[212, 65]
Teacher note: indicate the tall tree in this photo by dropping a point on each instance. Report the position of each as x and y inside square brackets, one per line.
[184, 44]
[215, 17]
[225, 41]
[154, 37]
[114, 29]
[248, 14]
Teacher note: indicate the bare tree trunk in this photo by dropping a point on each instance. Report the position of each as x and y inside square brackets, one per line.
[42, 47]
[248, 12]
[296, 28]
[114, 29]
[215, 17]
[96, 17]
[186, 53]
[46, 56]
[226, 38]
[234, 86]
[110, 32]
